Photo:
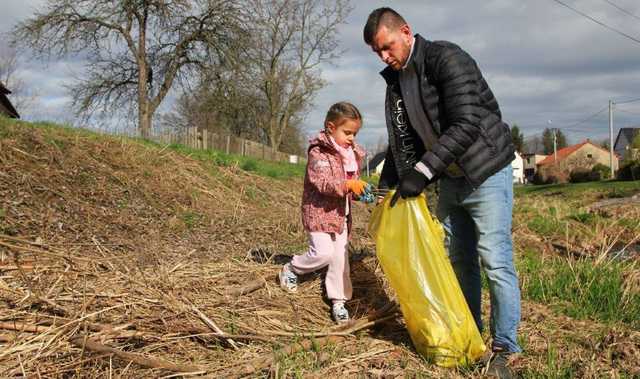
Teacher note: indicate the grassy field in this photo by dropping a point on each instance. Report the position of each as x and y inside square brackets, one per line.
[582, 263]
[580, 260]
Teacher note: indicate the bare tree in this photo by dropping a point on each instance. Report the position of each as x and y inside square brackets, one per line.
[135, 49]
[264, 88]
[290, 39]
[533, 145]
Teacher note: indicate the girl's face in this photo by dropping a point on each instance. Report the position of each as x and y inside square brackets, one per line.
[344, 131]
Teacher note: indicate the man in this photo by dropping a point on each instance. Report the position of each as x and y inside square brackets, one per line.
[445, 124]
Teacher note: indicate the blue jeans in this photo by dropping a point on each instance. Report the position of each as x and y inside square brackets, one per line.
[477, 226]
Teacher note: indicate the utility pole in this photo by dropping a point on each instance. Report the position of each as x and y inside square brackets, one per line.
[611, 137]
[366, 159]
[555, 146]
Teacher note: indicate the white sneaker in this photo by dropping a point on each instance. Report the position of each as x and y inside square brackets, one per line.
[288, 278]
[340, 313]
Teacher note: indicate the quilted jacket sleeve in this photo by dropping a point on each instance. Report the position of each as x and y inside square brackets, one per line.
[459, 81]
[323, 176]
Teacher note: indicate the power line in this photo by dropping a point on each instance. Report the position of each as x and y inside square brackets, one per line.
[586, 119]
[624, 111]
[622, 9]
[599, 22]
[571, 128]
[627, 101]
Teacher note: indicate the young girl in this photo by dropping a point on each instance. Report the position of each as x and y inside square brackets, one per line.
[331, 179]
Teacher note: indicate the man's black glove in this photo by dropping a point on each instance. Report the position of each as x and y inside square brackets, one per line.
[411, 185]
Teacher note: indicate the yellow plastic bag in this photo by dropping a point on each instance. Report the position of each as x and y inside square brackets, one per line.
[410, 248]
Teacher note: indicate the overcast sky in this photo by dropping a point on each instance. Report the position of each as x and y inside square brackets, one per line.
[544, 62]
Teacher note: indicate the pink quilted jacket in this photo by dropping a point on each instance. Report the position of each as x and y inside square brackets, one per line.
[325, 195]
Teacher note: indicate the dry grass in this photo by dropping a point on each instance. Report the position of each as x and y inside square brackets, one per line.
[145, 254]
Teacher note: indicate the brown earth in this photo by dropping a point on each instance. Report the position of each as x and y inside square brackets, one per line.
[112, 243]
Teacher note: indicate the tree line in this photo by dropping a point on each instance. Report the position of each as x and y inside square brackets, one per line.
[538, 144]
[247, 67]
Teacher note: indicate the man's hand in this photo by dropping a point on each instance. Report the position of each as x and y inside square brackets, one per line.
[411, 185]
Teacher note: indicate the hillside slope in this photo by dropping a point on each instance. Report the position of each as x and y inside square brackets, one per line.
[113, 250]
[123, 233]
[67, 186]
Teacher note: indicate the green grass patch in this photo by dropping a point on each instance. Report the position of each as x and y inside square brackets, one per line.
[630, 223]
[584, 218]
[249, 165]
[545, 225]
[190, 219]
[51, 129]
[4, 128]
[551, 367]
[580, 288]
[608, 189]
[276, 170]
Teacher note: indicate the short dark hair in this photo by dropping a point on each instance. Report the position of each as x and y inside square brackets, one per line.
[381, 16]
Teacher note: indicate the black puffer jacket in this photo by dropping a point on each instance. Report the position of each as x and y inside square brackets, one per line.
[445, 84]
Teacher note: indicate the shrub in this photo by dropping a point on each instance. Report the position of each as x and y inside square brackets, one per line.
[538, 178]
[603, 170]
[629, 171]
[582, 175]
[544, 178]
[552, 179]
[249, 165]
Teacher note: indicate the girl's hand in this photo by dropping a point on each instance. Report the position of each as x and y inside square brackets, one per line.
[356, 186]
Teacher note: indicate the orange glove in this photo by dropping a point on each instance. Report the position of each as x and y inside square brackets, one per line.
[356, 186]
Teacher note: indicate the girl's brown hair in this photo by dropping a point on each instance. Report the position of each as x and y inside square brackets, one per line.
[342, 110]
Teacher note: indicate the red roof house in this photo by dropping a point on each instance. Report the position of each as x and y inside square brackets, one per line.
[584, 154]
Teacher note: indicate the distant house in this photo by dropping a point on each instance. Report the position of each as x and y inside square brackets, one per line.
[518, 169]
[624, 139]
[531, 164]
[6, 108]
[582, 155]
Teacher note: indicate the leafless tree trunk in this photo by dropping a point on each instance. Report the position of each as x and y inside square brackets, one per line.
[135, 49]
[290, 39]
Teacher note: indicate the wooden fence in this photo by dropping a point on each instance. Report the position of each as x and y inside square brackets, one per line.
[202, 139]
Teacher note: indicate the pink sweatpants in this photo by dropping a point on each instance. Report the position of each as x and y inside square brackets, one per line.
[328, 249]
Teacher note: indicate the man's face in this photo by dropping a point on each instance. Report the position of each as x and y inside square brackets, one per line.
[393, 46]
